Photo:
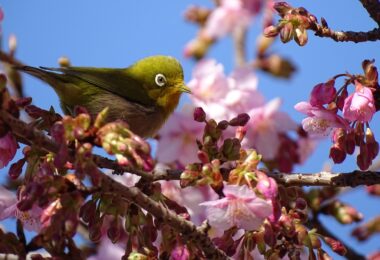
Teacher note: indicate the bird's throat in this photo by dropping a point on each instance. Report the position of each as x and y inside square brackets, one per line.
[169, 101]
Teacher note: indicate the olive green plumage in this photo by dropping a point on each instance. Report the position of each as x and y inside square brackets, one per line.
[144, 94]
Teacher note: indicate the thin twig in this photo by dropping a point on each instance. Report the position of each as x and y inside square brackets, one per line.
[346, 36]
[351, 253]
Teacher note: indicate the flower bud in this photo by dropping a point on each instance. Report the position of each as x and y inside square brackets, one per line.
[199, 114]
[282, 8]
[323, 93]
[350, 142]
[240, 120]
[301, 203]
[363, 159]
[339, 137]
[286, 32]
[300, 36]
[336, 246]
[16, 169]
[222, 125]
[337, 154]
[272, 31]
[372, 144]
[231, 149]
[341, 98]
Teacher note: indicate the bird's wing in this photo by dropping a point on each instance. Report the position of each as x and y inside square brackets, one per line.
[115, 81]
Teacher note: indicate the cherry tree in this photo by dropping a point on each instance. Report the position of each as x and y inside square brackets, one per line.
[221, 182]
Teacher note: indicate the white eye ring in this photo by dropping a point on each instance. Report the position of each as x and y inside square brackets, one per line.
[160, 80]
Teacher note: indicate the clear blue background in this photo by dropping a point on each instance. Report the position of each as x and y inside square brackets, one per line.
[117, 33]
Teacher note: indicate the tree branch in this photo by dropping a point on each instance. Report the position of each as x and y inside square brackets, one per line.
[346, 36]
[373, 9]
[348, 179]
[239, 36]
[186, 228]
[159, 211]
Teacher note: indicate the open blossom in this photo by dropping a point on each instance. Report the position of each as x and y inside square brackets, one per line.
[263, 130]
[360, 105]
[8, 209]
[220, 96]
[189, 197]
[320, 121]
[8, 147]
[178, 139]
[230, 15]
[240, 207]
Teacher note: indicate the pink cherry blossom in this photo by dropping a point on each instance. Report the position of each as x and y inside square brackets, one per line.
[323, 93]
[178, 139]
[7, 200]
[231, 14]
[320, 121]
[263, 130]
[268, 187]
[8, 147]
[8, 209]
[220, 96]
[240, 207]
[189, 197]
[360, 105]
[225, 18]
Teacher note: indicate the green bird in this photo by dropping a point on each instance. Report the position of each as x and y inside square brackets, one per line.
[144, 94]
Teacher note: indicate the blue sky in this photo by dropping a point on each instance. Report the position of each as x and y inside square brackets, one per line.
[117, 33]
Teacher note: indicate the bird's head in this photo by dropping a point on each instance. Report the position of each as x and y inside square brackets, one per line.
[162, 79]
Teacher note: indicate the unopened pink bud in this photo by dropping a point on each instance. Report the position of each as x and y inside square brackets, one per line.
[199, 114]
[337, 154]
[323, 93]
[287, 33]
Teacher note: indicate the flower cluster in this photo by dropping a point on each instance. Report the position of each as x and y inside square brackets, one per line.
[352, 128]
[293, 24]
[225, 97]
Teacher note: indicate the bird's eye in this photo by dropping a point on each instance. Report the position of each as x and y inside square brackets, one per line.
[160, 80]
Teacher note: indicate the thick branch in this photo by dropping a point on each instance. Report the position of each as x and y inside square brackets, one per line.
[348, 179]
[351, 253]
[188, 229]
[373, 8]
